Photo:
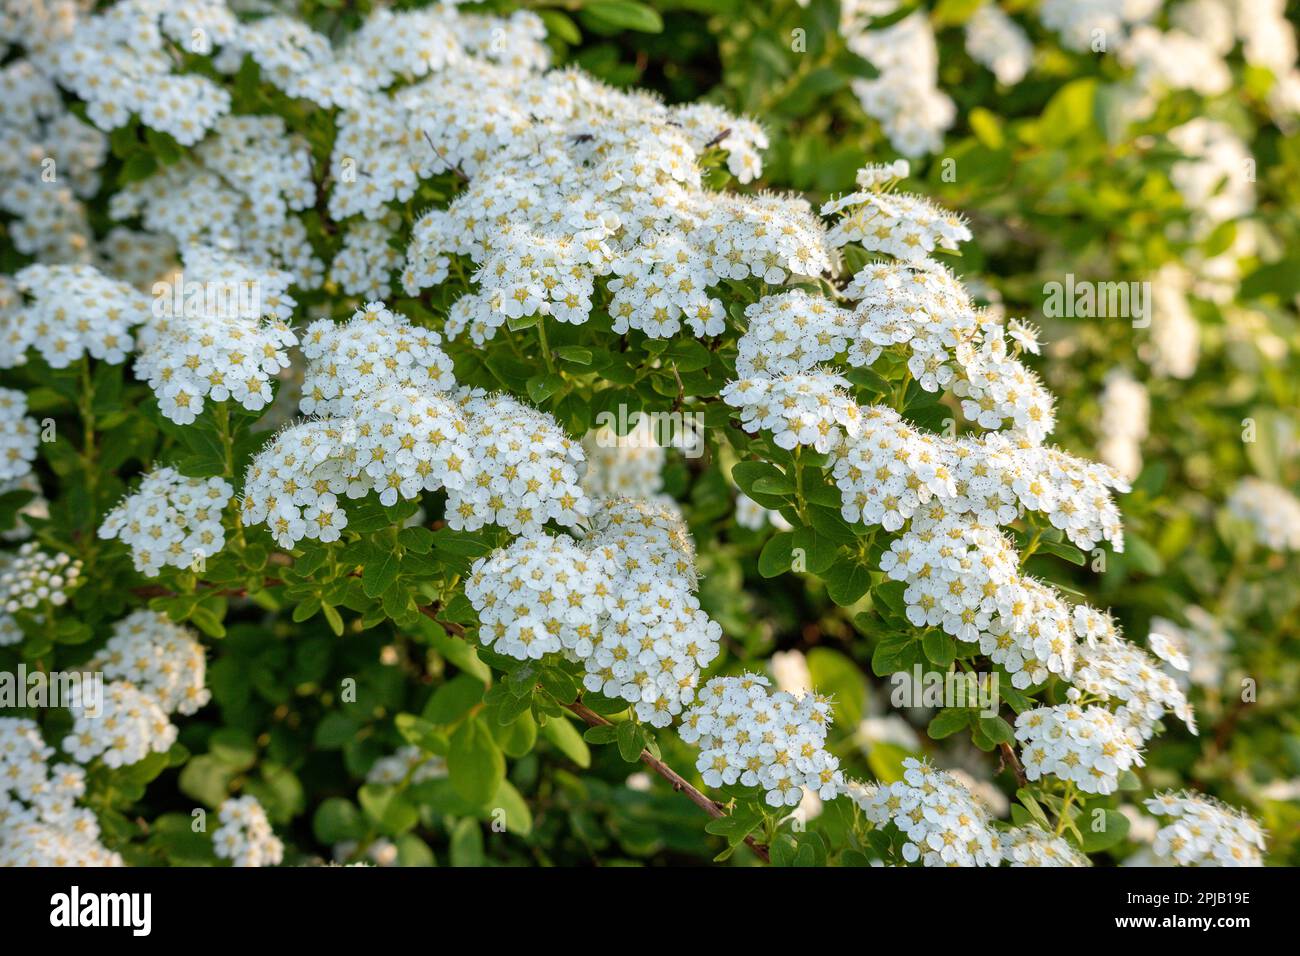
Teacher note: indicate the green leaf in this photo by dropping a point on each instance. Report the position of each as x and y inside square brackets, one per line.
[388, 808]
[380, 573]
[337, 820]
[1064, 550]
[467, 843]
[847, 582]
[421, 733]
[601, 734]
[1102, 829]
[415, 538]
[517, 737]
[997, 730]
[334, 618]
[519, 818]
[567, 740]
[542, 387]
[630, 739]
[939, 648]
[233, 747]
[453, 699]
[611, 16]
[474, 762]
[736, 825]
[896, 652]
[575, 354]
[559, 684]
[1035, 809]
[813, 550]
[560, 26]
[947, 722]
[140, 166]
[774, 560]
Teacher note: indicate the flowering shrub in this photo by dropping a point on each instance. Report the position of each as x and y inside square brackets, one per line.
[400, 425]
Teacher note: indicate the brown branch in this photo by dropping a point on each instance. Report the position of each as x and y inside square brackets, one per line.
[593, 719]
[711, 807]
[1009, 759]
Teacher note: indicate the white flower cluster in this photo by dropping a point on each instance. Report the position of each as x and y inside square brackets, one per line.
[1111, 667]
[1169, 60]
[366, 262]
[374, 350]
[41, 844]
[397, 428]
[998, 389]
[1125, 418]
[542, 595]
[1032, 846]
[138, 258]
[294, 482]
[409, 764]
[964, 579]
[646, 537]
[944, 823]
[921, 304]
[121, 729]
[1196, 652]
[1191, 52]
[32, 582]
[1090, 746]
[225, 342]
[389, 46]
[40, 822]
[162, 659]
[623, 466]
[917, 304]
[791, 333]
[245, 837]
[1210, 176]
[526, 471]
[997, 42]
[1205, 832]
[120, 63]
[170, 520]
[1174, 346]
[49, 163]
[812, 409]
[18, 435]
[750, 736]
[619, 602]
[72, 311]
[1084, 23]
[949, 497]
[237, 193]
[1271, 510]
[894, 471]
[571, 183]
[905, 97]
[903, 225]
